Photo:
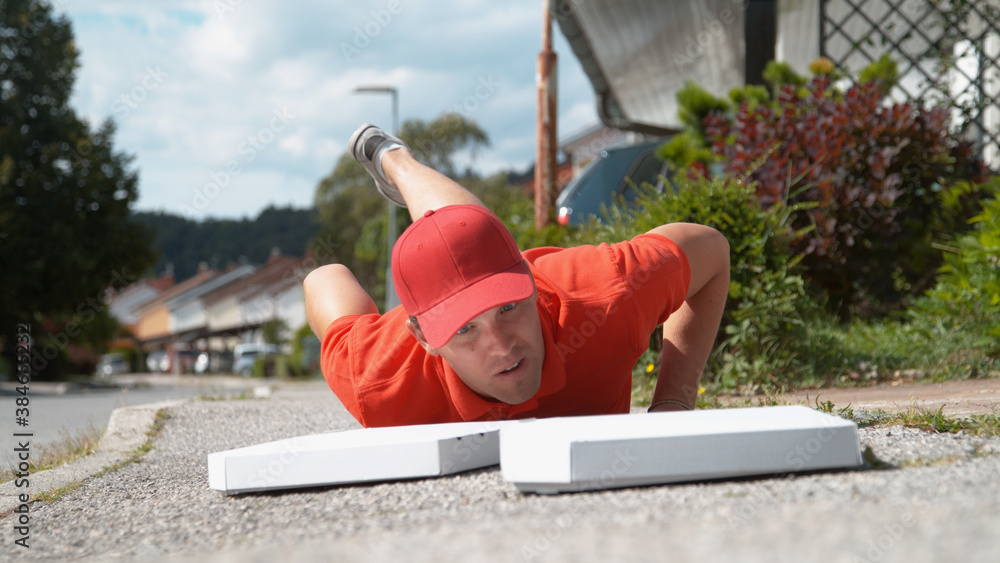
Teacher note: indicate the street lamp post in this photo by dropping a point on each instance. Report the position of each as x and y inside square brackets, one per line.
[391, 298]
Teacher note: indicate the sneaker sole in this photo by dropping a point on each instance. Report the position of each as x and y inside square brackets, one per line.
[357, 152]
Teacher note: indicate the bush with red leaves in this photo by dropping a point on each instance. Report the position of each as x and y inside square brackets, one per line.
[882, 174]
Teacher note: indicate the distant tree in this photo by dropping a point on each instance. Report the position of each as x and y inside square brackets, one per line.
[275, 331]
[185, 243]
[353, 214]
[436, 143]
[65, 192]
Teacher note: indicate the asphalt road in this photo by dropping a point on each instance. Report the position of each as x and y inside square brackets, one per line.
[939, 500]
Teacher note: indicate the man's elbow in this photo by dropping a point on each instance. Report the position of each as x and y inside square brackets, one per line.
[721, 248]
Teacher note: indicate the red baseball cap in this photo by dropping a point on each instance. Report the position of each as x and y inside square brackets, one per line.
[453, 264]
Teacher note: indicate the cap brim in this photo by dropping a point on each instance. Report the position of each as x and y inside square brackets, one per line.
[441, 322]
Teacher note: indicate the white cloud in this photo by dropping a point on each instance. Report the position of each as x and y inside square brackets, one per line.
[224, 72]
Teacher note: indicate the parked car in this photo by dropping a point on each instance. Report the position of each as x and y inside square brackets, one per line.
[162, 361]
[111, 364]
[611, 174]
[245, 355]
[157, 361]
[214, 362]
[186, 358]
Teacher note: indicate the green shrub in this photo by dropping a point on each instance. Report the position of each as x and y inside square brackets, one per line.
[305, 357]
[882, 72]
[694, 105]
[967, 292]
[878, 173]
[766, 292]
[684, 150]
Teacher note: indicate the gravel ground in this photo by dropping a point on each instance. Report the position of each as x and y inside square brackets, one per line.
[939, 501]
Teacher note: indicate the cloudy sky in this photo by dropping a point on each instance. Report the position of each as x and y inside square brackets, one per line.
[233, 105]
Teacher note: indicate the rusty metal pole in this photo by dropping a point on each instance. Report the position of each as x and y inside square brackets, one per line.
[545, 154]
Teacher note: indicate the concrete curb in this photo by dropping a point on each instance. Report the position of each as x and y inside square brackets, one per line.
[126, 432]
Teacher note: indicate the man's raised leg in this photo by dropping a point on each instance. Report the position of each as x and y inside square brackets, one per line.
[423, 187]
[398, 175]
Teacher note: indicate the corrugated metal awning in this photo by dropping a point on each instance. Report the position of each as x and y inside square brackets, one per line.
[639, 53]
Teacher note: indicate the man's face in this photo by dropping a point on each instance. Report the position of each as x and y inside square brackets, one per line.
[499, 354]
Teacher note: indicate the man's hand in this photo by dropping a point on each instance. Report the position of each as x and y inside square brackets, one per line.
[667, 407]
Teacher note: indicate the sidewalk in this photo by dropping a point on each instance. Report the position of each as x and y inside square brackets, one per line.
[958, 398]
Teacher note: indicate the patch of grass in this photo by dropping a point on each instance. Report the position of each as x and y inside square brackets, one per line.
[56, 494]
[162, 416]
[68, 448]
[985, 425]
[644, 378]
[921, 462]
[866, 352]
[135, 456]
[242, 396]
[936, 421]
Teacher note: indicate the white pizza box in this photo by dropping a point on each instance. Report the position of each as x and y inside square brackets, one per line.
[356, 456]
[611, 451]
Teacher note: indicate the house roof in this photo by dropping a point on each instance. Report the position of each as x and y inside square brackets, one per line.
[220, 280]
[194, 281]
[638, 54]
[278, 273]
[162, 283]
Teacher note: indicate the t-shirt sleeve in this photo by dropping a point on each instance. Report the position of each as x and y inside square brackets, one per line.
[616, 293]
[370, 357]
[656, 275]
[336, 364]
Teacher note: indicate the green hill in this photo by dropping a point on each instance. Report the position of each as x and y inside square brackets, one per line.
[184, 243]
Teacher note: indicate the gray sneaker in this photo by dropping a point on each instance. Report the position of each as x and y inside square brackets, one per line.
[367, 145]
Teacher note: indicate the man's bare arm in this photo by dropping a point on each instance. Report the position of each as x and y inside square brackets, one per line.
[332, 292]
[689, 333]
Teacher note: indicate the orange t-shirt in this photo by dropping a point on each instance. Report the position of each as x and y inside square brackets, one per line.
[598, 306]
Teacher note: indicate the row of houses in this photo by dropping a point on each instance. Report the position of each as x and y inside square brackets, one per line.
[214, 310]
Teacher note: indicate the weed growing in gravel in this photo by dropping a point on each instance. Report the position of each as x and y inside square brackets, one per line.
[69, 447]
[134, 456]
[243, 396]
[936, 421]
[987, 425]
